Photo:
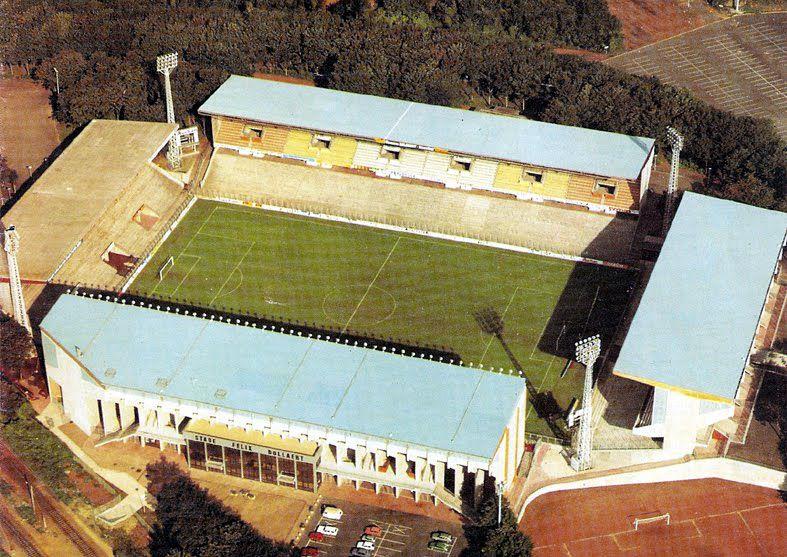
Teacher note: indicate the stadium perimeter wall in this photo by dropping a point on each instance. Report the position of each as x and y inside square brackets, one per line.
[399, 205]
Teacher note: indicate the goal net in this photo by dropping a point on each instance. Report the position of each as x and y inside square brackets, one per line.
[649, 519]
[164, 269]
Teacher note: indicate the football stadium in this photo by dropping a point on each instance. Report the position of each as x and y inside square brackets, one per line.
[290, 295]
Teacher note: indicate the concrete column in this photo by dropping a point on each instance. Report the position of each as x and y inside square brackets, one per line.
[421, 469]
[401, 465]
[380, 457]
[459, 480]
[439, 473]
[126, 415]
[360, 455]
[341, 454]
[478, 491]
[111, 424]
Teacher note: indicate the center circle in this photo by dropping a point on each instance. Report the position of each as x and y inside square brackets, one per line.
[342, 304]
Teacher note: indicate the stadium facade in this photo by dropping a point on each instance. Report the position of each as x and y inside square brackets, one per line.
[709, 312]
[457, 148]
[283, 408]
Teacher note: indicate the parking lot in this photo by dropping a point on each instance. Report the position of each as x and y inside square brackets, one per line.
[737, 64]
[401, 534]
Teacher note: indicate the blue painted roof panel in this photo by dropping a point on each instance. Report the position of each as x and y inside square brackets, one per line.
[352, 389]
[698, 315]
[460, 131]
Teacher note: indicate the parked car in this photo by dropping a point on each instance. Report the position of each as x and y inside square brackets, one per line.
[373, 530]
[327, 530]
[365, 545]
[367, 538]
[439, 546]
[332, 513]
[359, 552]
[439, 536]
[310, 552]
[316, 536]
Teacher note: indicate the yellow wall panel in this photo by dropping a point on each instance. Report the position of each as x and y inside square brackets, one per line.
[507, 176]
[341, 152]
[298, 144]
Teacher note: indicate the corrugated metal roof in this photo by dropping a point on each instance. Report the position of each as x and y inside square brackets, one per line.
[460, 131]
[700, 309]
[358, 390]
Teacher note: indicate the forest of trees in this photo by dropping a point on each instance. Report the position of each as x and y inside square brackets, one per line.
[105, 53]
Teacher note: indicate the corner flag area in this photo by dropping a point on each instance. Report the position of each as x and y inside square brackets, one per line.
[503, 310]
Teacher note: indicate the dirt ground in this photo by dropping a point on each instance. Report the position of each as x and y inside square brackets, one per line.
[738, 64]
[707, 517]
[647, 21]
[28, 134]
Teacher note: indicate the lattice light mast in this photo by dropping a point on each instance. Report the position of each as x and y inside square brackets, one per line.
[165, 64]
[587, 352]
[17, 297]
[676, 143]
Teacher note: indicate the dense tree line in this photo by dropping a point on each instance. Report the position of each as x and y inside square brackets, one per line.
[105, 54]
[486, 537]
[190, 521]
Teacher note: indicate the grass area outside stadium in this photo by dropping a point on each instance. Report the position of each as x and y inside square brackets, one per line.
[502, 310]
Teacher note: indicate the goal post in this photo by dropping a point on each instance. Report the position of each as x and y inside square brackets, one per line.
[170, 262]
[646, 520]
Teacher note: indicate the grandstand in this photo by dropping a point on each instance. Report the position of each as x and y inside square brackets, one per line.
[457, 148]
[707, 314]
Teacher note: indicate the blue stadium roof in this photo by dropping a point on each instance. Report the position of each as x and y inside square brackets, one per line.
[358, 390]
[459, 131]
[698, 315]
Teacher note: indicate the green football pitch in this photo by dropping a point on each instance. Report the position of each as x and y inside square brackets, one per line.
[500, 309]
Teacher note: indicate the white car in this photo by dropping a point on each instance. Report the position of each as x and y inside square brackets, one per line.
[332, 513]
[328, 530]
[365, 545]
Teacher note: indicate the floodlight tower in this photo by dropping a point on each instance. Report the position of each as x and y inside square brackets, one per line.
[165, 64]
[676, 143]
[17, 297]
[587, 352]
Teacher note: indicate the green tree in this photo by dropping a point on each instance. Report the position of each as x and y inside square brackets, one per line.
[18, 354]
[190, 521]
[487, 537]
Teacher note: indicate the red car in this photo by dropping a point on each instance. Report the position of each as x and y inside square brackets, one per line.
[373, 530]
[316, 536]
[310, 552]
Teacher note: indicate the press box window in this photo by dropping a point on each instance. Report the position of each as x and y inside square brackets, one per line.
[321, 141]
[253, 132]
[461, 163]
[530, 176]
[390, 152]
[606, 189]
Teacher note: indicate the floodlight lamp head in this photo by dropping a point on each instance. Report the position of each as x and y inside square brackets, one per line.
[675, 138]
[167, 62]
[588, 349]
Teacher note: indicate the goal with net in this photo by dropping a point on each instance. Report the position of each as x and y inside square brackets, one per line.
[164, 269]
